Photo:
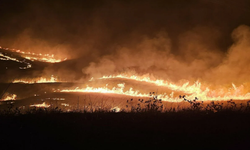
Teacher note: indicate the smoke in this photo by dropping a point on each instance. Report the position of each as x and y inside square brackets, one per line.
[196, 54]
[26, 42]
[198, 57]
[235, 67]
[184, 40]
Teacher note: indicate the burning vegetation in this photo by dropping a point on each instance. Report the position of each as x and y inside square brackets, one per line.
[31, 56]
[105, 72]
[38, 80]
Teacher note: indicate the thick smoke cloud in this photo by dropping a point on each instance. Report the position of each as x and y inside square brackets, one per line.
[235, 67]
[200, 57]
[173, 40]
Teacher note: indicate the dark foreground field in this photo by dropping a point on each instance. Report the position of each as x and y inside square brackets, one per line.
[151, 130]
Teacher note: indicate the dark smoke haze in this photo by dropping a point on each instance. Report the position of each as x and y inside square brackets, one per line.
[207, 40]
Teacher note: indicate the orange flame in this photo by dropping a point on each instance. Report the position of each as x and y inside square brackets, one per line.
[192, 91]
[5, 57]
[38, 57]
[10, 97]
[44, 105]
[114, 90]
[38, 80]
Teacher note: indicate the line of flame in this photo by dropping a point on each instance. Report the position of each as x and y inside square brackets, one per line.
[40, 105]
[193, 90]
[114, 90]
[39, 57]
[203, 95]
[16, 60]
[39, 80]
[189, 89]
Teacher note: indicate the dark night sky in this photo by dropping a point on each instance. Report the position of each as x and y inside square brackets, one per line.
[109, 29]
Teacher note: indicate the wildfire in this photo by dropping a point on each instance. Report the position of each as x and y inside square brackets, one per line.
[44, 105]
[10, 97]
[120, 90]
[38, 57]
[114, 90]
[191, 91]
[186, 88]
[5, 57]
[44, 59]
[38, 80]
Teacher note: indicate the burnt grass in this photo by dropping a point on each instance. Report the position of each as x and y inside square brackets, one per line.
[196, 129]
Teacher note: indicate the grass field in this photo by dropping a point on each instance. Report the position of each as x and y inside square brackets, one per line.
[196, 129]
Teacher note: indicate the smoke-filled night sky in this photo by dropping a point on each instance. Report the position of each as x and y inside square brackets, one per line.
[206, 40]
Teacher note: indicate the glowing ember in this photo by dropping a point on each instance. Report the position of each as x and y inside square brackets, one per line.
[43, 105]
[64, 104]
[115, 109]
